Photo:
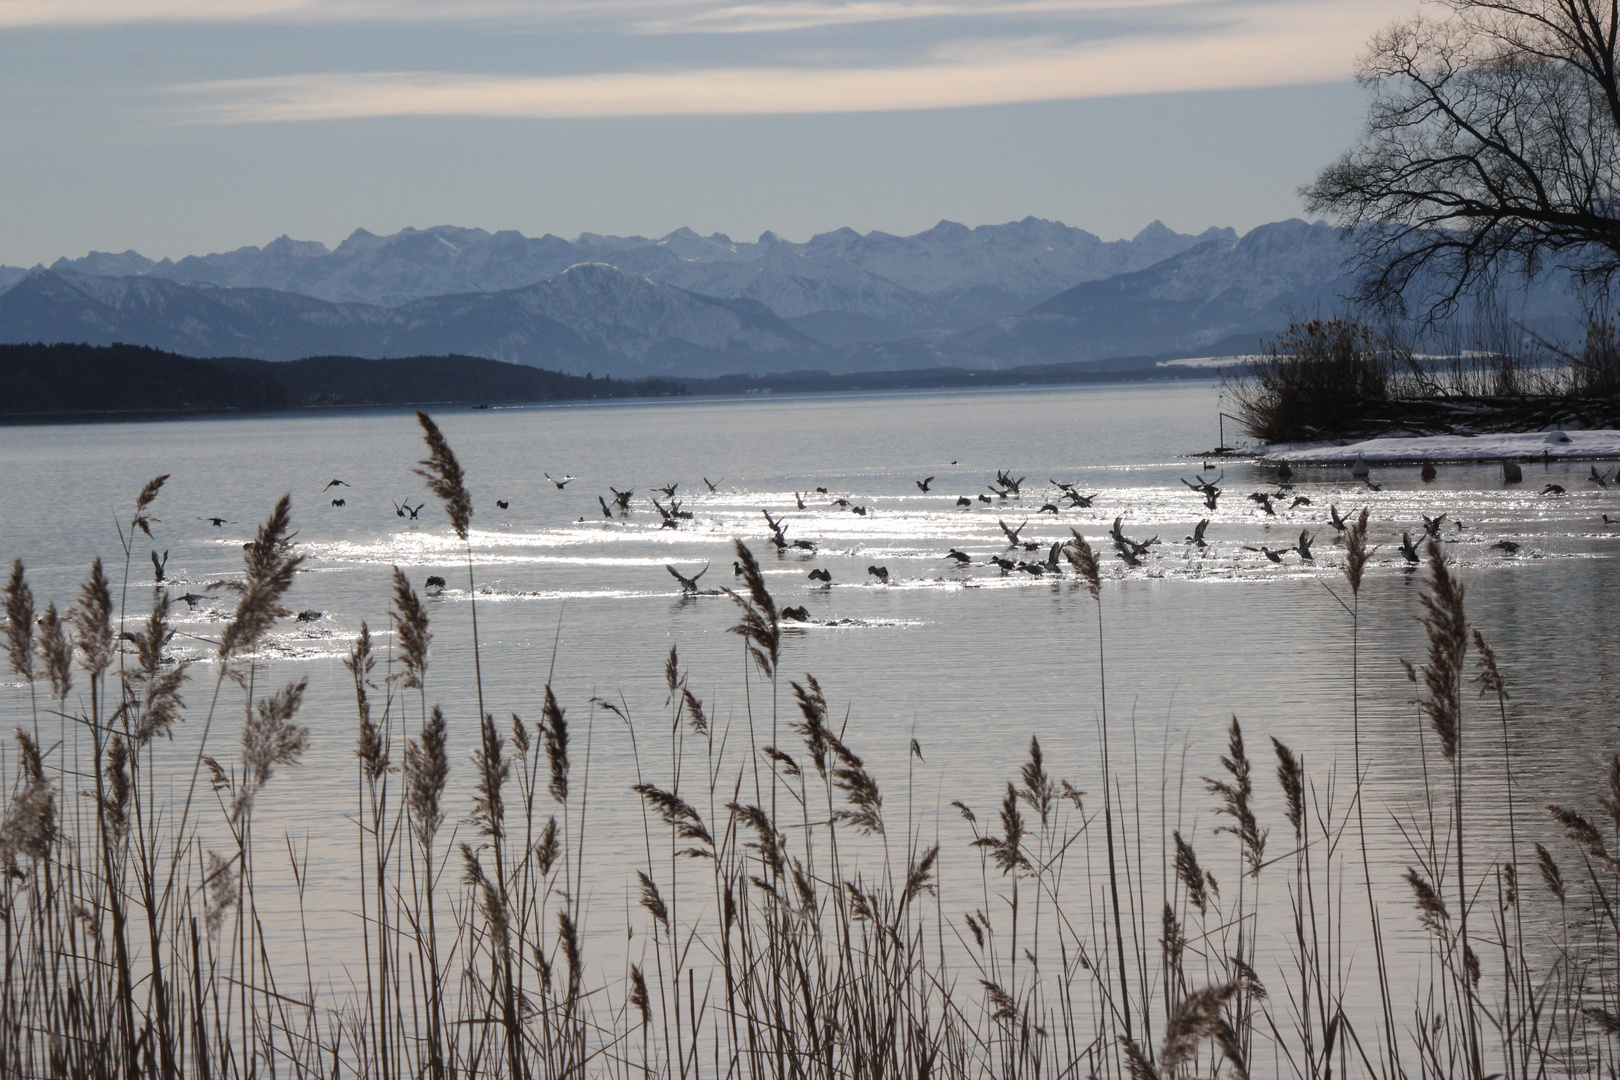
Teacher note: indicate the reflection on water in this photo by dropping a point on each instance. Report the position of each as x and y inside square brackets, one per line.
[969, 659]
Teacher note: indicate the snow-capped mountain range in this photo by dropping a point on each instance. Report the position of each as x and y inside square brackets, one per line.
[997, 296]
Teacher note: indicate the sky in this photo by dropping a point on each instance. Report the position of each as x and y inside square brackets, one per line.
[177, 127]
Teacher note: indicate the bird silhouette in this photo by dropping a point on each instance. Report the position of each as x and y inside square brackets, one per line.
[1079, 501]
[688, 584]
[216, 522]
[984, 498]
[821, 575]
[606, 512]
[961, 557]
[1372, 486]
[1012, 534]
[564, 482]
[1409, 550]
[502, 504]
[778, 530]
[1000, 493]
[1431, 525]
[796, 614]
[1284, 473]
[1600, 479]
[1274, 556]
[861, 510]
[1052, 554]
[1607, 520]
[963, 500]
[339, 502]
[311, 615]
[1005, 564]
[191, 599]
[1263, 500]
[1127, 553]
[1304, 546]
[1552, 489]
[798, 499]
[1197, 537]
[405, 509]
[1007, 482]
[1335, 520]
[159, 567]
[668, 490]
[922, 485]
[334, 483]
[713, 489]
[1507, 546]
[434, 581]
[669, 521]
[840, 502]
[879, 572]
[1047, 508]
[821, 491]
[1299, 501]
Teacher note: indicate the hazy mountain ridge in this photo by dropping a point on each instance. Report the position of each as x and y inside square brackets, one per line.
[590, 318]
[852, 286]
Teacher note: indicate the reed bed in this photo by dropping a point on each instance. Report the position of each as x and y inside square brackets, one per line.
[790, 922]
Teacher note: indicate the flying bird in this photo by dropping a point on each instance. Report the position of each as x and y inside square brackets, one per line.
[668, 490]
[688, 584]
[339, 502]
[798, 499]
[1012, 534]
[1335, 520]
[963, 500]
[502, 504]
[1274, 556]
[713, 489]
[1552, 489]
[961, 557]
[607, 513]
[564, 482]
[1299, 501]
[1409, 550]
[984, 498]
[434, 581]
[1197, 537]
[1600, 479]
[1304, 546]
[216, 522]
[922, 485]
[159, 567]
[334, 483]
[820, 575]
[1047, 507]
[879, 572]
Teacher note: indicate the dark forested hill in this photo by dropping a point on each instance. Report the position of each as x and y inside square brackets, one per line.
[68, 380]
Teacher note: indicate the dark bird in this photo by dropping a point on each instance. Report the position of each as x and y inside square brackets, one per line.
[311, 615]
[1274, 556]
[1202, 484]
[405, 509]
[339, 502]
[1507, 546]
[840, 502]
[620, 497]
[606, 511]
[1607, 520]
[434, 581]
[1428, 473]
[1600, 479]
[798, 499]
[191, 599]
[564, 482]
[1117, 532]
[713, 489]
[1211, 494]
[1005, 564]
[922, 485]
[1409, 550]
[1128, 554]
[216, 522]
[821, 491]
[1197, 537]
[1299, 501]
[159, 567]
[1304, 546]
[334, 483]
[879, 572]
[821, 575]
[984, 498]
[669, 521]
[1335, 520]
[668, 490]
[778, 530]
[1511, 473]
[796, 614]
[961, 557]
[1000, 493]
[1552, 489]
[1372, 486]
[688, 584]
[963, 500]
[1082, 502]
[1263, 500]
[737, 569]
[1060, 485]
[1052, 554]
[1032, 568]
[502, 504]
[1012, 534]
[1008, 482]
[861, 510]
[1047, 508]
[1431, 525]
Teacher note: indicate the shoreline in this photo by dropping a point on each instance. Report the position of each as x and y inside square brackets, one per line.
[1595, 445]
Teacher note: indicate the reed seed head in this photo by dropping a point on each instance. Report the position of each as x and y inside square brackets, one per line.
[427, 767]
[492, 767]
[1199, 1016]
[150, 691]
[142, 520]
[411, 628]
[1446, 625]
[20, 622]
[56, 651]
[554, 727]
[269, 568]
[92, 622]
[759, 624]
[444, 477]
[1357, 552]
[1291, 775]
[1084, 561]
[1490, 678]
[652, 900]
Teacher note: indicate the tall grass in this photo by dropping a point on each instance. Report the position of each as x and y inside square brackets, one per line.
[794, 915]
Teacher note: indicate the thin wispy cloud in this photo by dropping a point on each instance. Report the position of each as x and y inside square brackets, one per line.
[1317, 44]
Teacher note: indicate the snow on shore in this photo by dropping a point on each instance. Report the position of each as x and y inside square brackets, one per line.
[1496, 447]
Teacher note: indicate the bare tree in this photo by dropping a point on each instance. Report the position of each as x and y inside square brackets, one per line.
[1492, 144]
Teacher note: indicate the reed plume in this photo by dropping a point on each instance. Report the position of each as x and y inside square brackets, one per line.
[270, 740]
[427, 767]
[56, 651]
[152, 692]
[444, 477]
[28, 827]
[1201, 1016]
[1084, 561]
[411, 629]
[20, 622]
[1356, 551]
[92, 622]
[1236, 797]
[142, 520]
[1291, 775]
[555, 739]
[759, 625]
[269, 568]
[1447, 628]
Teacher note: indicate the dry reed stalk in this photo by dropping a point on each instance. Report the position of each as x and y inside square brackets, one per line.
[759, 625]
[444, 477]
[56, 650]
[411, 629]
[1356, 551]
[92, 622]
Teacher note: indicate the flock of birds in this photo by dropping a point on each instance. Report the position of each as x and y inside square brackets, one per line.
[1021, 555]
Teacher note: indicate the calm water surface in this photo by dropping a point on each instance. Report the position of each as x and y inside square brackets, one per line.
[968, 660]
